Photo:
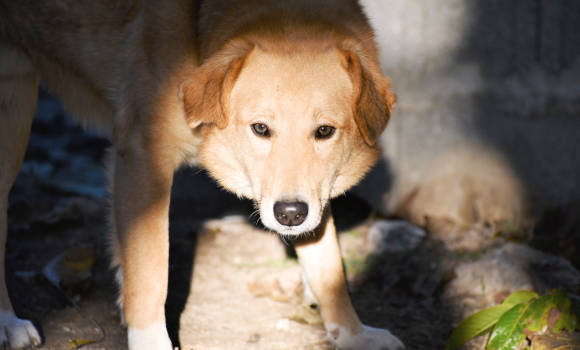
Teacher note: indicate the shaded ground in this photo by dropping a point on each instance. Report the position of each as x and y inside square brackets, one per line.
[224, 293]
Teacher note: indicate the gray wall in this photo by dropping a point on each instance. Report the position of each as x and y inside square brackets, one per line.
[487, 79]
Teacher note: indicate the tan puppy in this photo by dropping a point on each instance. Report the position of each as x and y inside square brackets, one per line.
[282, 101]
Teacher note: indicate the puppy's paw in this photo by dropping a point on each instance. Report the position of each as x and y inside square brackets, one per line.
[368, 339]
[16, 333]
[154, 337]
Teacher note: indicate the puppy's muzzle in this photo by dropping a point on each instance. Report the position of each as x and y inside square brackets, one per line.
[290, 213]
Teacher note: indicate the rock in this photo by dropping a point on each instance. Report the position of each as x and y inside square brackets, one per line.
[393, 236]
[306, 314]
[254, 338]
[548, 271]
[40, 170]
[561, 341]
[80, 177]
[514, 266]
[75, 211]
[493, 274]
[282, 285]
[283, 324]
[71, 270]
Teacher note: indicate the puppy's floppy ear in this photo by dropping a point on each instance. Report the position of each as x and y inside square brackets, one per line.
[206, 92]
[373, 97]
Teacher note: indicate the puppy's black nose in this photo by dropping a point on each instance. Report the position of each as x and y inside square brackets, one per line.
[290, 213]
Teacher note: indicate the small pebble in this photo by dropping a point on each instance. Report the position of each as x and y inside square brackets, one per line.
[254, 338]
[283, 324]
[393, 236]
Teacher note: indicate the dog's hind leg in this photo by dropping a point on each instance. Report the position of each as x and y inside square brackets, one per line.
[18, 97]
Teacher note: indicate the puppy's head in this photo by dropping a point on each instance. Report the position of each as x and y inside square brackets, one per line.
[289, 127]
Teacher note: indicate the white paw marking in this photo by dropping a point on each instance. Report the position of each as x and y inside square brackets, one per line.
[154, 337]
[16, 333]
[369, 339]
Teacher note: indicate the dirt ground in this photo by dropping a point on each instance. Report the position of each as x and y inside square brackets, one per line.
[232, 284]
[211, 303]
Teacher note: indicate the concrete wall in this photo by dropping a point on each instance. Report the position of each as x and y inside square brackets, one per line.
[482, 85]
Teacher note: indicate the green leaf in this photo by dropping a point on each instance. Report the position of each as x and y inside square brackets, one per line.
[482, 321]
[520, 296]
[78, 343]
[535, 317]
[508, 332]
[567, 319]
[522, 314]
[551, 312]
[475, 325]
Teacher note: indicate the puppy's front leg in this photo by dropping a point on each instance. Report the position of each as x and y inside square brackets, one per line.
[141, 192]
[321, 260]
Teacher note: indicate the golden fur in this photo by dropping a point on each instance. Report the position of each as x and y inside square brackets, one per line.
[176, 82]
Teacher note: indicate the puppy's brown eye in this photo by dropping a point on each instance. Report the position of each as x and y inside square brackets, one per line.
[324, 132]
[261, 129]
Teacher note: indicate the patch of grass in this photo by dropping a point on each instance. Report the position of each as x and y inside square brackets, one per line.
[355, 264]
[354, 233]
